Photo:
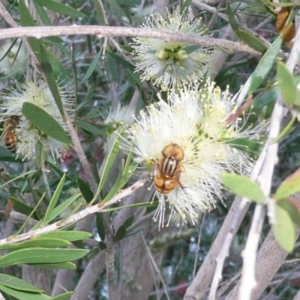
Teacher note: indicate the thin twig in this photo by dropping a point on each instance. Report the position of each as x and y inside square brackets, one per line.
[101, 31]
[156, 268]
[266, 176]
[74, 218]
[198, 246]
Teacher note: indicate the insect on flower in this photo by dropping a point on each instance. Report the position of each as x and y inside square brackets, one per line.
[168, 169]
[10, 138]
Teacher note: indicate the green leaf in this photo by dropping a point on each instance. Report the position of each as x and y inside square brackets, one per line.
[37, 243]
[250, 146]
[90, 128]
[243, 186]
[100, 226]
[99, 13]
[42, 14]
[63, 296]
[120, 234]
[192, 48]
[24, 295]
[44, 122]
[114, 189]
[251, 40]
[292, 209]
[18, 284]
[231, 18]
[110, 159]
[284, 229]
[185, 5]
[51, 80]
[85, 190]
[21, 207]
[54, 199]
[287, 86]
[64, 265]
[70, 236]
[92, 67]
[122, 231]
[41, 255]
[117, 7]
[128, 222]
[59, 70]
[265, 65]
[288, 187]
[60, 8]
[60, 208]
[128, 67]
[27, 20]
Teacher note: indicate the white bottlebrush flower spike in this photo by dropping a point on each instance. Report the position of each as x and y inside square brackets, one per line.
[197, 122]
[171, 64]
[28, 136]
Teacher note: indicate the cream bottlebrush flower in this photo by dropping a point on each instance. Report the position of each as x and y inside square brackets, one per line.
[171, 64]
[28, 136]
[191, 130]
[13, 57]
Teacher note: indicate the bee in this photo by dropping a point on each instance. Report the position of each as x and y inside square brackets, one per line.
[168, 169]
[10, 137]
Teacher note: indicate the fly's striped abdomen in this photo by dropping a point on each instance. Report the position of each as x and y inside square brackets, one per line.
[169, 166]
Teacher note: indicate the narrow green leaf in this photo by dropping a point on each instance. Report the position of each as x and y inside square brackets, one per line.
[27, 20]
[286, 130]
[265, 65]
[231, 18]
[17, 284]
[284, 230]
[60, 8]
[114, 189]
[250, 146]
[92, 67]
[51, 80]
[35, 209]
[185, 5]
[24, 295]
[60, 208]
[243, 186]
[42, 14]
[287, 86]
[54, 199]
[59, 70]
[70, 236]
[117, 7]
[41, 255]
[90, 128]
[251, 40]
[21, 207]
[44, 122]
[128, 222]
[121, 233]
[63, 296]
[37, 243]
[100, 226]
[99, 13]
[291, 208]
[63, 265]
[128, 67]
[110, 159]
[85, 190]
[288, 187]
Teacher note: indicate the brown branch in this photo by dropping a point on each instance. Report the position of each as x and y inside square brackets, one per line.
[101, 31]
